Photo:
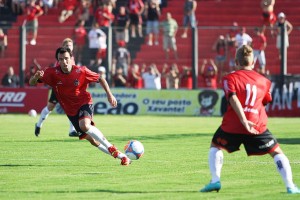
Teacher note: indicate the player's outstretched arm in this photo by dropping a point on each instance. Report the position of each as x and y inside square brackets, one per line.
[110, 97]
[237, 107]
[38, 74]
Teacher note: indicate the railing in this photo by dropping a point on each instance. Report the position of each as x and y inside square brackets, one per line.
[145, 54]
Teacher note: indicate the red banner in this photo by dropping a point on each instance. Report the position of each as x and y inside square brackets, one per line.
[21, 100]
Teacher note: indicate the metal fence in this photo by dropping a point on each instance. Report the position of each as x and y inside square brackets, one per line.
[196, 54]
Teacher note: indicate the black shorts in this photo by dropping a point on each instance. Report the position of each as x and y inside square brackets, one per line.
[135, 19]
[254, 144]
[53, 98]
[86, 111]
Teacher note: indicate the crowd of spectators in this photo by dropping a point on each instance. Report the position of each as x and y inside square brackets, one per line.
[93, 17]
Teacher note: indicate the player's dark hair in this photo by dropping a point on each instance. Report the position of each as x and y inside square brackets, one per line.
[244, 56]
[62, 50]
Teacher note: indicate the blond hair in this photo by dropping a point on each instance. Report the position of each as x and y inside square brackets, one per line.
[244, 56]
[66, 40]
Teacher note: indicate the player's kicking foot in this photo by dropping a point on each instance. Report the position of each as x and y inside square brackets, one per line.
[212, 187]
[37, 130]
[113, 151]
[125, 161]
[294, 190]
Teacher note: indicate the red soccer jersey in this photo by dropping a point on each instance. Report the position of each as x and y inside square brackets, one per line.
[70, 4]
[210, 81]
[71, 89]
[258, 42]
[80, 36]
[253, 91]
[135, 6]
[32, 12]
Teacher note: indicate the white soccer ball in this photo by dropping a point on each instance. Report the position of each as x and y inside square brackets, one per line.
[32, 113]
[134, 149]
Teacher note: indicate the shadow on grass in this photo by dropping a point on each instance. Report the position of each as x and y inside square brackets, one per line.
[125, 138]
[104, 191]
[16, 165]
[165, 136]
[288, 140]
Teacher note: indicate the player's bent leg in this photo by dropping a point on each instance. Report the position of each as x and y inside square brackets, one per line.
[85, 125]
[284, 168]
[37, 130]
[43, 116]
[97, 144]
[72, 131]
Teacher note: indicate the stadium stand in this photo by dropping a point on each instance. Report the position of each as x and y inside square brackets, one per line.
[209, 13]
[223, 13]
[50, 35]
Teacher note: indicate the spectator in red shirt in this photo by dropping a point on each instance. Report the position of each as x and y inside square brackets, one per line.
[259, 44]
[104, 16]
[83, 12]
[71, 83]
[135, 79]
[268, 15]
[33, 12]
[136, 8]
[209, 72]
[68, 8]
[245, 122]
[80, 36]
[186, 78]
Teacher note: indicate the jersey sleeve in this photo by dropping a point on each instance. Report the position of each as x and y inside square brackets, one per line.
[268, 97]
[47, 77]
[90, 75]
[228, 86]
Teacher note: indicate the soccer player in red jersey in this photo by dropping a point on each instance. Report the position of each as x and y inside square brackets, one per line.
[33, 13]
[70, 83]
[68, 43]
[245, 122]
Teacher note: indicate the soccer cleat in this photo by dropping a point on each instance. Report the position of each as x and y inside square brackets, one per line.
[113, 151]
[37, 130]
[294, 190]
[73, 134]
[125, 161]
[212, 187]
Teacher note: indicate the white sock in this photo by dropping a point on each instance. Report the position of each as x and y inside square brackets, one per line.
[72, 128]
[44, 114]
[103, 149]
[284, 168]
[215, 160]
[97, 135]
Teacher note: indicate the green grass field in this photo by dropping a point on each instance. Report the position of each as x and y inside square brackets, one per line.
[174, 166]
